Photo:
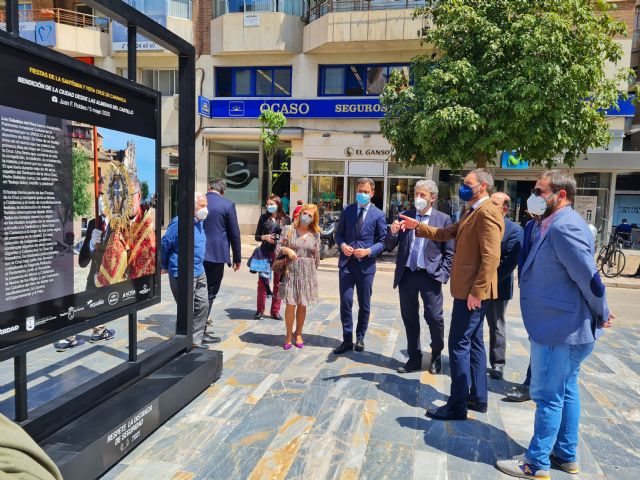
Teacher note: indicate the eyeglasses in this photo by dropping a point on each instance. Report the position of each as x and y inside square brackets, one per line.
[538, 191]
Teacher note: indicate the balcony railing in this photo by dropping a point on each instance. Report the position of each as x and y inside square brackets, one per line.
[290, 7]
[323, 7]
[64, 17]
[168, 8]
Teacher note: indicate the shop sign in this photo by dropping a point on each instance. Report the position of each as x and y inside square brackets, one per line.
[350, 152]
[301, 108]
[586, 206]
[120, 36]
[42, 32]
[511, 161]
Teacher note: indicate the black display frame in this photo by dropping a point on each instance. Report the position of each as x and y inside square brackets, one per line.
[72, 404]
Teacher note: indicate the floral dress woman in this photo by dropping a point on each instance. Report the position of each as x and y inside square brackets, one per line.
[300, 284]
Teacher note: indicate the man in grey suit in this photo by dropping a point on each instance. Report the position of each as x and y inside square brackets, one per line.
[564, 309]
[222, 231]
[422, 266]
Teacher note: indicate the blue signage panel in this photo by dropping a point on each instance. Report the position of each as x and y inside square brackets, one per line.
[625, 108]
[300, 108]
[204, 107]
[511, 161]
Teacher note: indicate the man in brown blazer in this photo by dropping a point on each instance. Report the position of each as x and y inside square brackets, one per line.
[474, 280]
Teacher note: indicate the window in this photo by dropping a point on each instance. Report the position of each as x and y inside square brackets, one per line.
[356, 80]
[253, 82]
[165, 81]
[238, 163]
[25, 11]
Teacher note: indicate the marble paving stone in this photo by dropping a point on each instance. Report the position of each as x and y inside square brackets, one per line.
[387, 461]
[227, 462]
[428, 464]
[387, 428]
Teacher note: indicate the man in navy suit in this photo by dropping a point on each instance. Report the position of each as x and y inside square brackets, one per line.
[509, 252]
[422, 266]
[222, 231]
[361, 232]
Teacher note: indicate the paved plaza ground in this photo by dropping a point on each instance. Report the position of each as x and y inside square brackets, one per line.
[307, 414]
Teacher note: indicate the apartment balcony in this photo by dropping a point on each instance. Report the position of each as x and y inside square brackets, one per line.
[73, 33]
[336, 26]
[264, 26]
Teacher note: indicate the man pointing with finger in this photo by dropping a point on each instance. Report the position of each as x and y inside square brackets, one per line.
[474, 281]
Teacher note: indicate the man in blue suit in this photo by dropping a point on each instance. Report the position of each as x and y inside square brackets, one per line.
[360, 234]
[221, 228]
[564, 308]
[509, 252]
[422, 266]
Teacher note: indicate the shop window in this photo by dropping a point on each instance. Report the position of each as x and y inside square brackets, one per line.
[253, 82]
[327, 193]
[326, 167]
[239, 164]
[165, 81]
[356, 80]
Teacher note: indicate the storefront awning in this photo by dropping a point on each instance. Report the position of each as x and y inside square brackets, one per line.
[247, 133]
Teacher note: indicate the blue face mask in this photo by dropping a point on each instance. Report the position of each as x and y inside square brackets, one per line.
[272, 208]
[465, 192]
[363, 198]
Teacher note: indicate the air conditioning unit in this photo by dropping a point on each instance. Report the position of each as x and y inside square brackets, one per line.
[176, 99]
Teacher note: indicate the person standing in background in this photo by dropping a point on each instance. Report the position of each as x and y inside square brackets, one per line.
[285, 203]
[222, 231]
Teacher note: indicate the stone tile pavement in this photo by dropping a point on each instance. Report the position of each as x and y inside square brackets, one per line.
[307, 414]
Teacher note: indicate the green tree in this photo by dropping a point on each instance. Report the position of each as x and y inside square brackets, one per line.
[271, 124]
[144, 190]
[506, 75]
[82, 178]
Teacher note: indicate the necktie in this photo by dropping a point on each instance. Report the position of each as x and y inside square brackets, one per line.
[360, 219]
[415, 251]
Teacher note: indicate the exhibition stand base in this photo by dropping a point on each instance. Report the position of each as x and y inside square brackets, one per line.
[90, 445]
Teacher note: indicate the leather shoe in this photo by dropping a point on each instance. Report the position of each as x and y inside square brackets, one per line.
[359, 346]
[436, 365]
[196, 346]
[257, 316]
[477, 406]
[276, 317]
[497, 372]
[210, 339]
[410, 366]
[443, 413]
[343, 347]
[518, 394]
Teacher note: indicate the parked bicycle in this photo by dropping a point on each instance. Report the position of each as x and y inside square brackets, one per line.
[611, 260]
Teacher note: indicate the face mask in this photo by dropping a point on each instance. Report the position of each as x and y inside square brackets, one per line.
[202, 213]
[421, 204]
[272, 208]
[306, 219]
[465, 192]
[363, 198]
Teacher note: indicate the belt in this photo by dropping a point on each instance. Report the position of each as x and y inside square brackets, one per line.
[418, 269]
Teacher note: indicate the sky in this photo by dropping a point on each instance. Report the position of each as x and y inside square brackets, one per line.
[145, 153]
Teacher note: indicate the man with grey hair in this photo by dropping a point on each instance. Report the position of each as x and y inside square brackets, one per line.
[169, 263]
[422, 266]
[564, 308]
[223, 232]
[474, 281]
[360, 234]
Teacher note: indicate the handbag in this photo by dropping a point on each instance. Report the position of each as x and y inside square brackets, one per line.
[281, 263]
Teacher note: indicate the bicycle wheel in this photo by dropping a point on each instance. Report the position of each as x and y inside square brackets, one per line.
[614, 264]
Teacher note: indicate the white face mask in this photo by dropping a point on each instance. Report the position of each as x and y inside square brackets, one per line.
[536, 205]
[202, 213]
[421, 204]
[305, 219]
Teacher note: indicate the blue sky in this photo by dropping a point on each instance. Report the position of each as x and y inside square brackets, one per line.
[145, 153]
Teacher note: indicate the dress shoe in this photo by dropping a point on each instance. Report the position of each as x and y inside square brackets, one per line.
[518, 394]
[497, 372]
[210, 339]
[196, 346]
[436, 365]
[287, 346]
[443, 413]
[257, 316]
[410, 366]
[276, 317]
[477, 406]
[210, 321]
[359, 346]
[343, 347]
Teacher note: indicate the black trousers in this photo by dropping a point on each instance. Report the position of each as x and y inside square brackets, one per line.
[414, 284]
[215, 272]
[497, 331]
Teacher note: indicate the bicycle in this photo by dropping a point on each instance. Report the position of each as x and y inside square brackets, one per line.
[611, 259]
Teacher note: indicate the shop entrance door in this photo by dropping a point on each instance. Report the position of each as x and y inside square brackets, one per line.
[518, 191]
[378, 194]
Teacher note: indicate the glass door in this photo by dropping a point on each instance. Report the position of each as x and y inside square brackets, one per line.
[378, 194]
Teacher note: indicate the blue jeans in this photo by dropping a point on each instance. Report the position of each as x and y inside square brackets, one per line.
[554, 388]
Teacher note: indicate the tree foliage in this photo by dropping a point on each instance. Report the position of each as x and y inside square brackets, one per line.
[504, 75]
[82, 177]
[271, 124]
[144, 190]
